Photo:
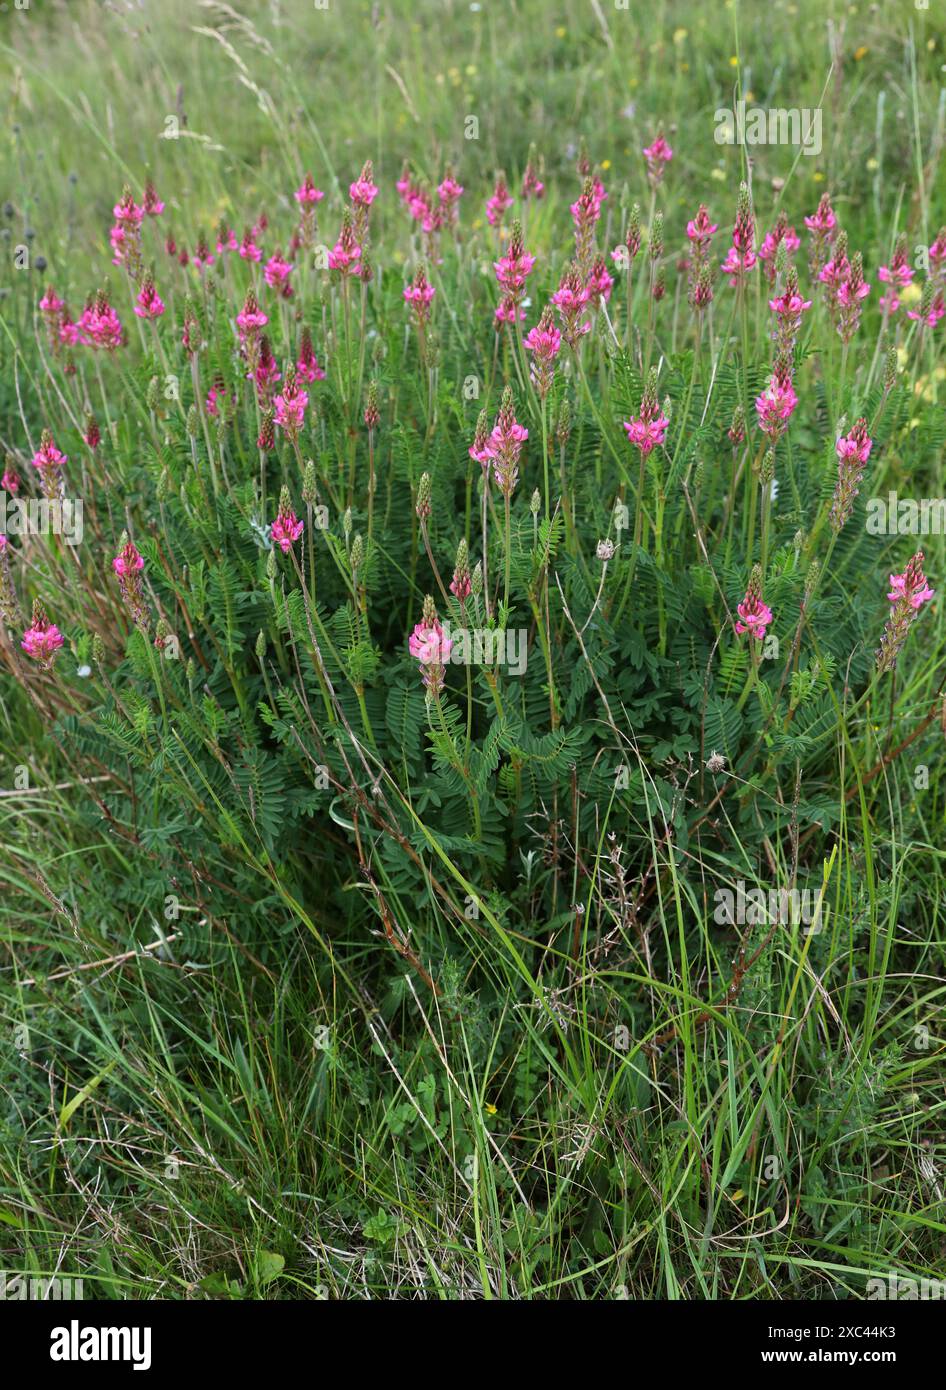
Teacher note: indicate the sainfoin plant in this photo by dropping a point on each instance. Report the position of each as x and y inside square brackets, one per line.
[479, 572]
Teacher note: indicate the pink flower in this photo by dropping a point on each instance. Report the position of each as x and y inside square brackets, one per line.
[47, 455]
[307, 367]
[51, 303]
[894, 274]
[127, 212]
[571, 299]
[505, 445]
[266, 372]
[544, 342]
[307, 193]
[226, 239]
[499, 203]
[741, 256]
[852, 290]
[428, 644]
[43, 639]
[128, 562]
[214, 396]
[532, 185]
[511, 270]
[599, 283]
[290, 409]
[834, 271]
[856, 445]
[149, 304]
[449, 191]
[647, 430]
[789, 305]
[481, 450]
[823, 222]
[755, 616]
[933, 315]
[910, 587]
[286, 529]
[781, 232]
[508, 311]
[776, 404]
[419, 295]
[647, 434]
[251, 319]
[700, 228]
[99, 325]
[853, 451]
[658, 155]
[363, 192]
[908, 592]
[276, 273]
[203, 256]
[737, 263]
[10, 482]
[249, 251]
[346, 252]
[431, 648]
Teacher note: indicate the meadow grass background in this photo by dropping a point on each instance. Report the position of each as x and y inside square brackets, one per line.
[176, 1128]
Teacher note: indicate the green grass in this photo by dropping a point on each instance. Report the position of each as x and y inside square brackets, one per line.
[474, 1033]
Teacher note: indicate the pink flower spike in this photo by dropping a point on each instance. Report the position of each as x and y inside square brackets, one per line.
[149, 304]
[658, 156]
[128, 562]
[307, 193]
[286, 529]
[42, 640]
[276, 273]
[755, 616]
[291, 408]
[700, 228]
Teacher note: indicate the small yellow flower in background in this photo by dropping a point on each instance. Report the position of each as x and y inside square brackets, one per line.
[439, 79]
[860, 53]
[872, 164]
[749, 96]
[679, 35]
[606, 164]
[818, 176]
[684, 67]
[561, 31]
[912, 294]
[470, 69]
[718, 174]
[490, 1109]
[734, 61]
